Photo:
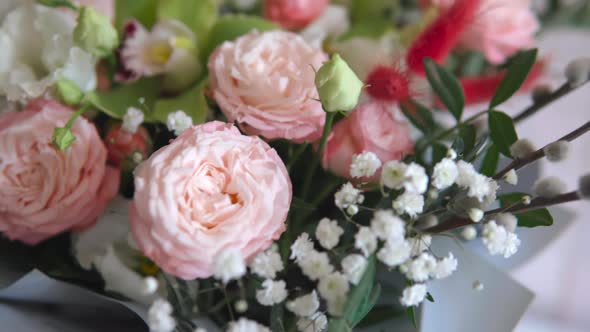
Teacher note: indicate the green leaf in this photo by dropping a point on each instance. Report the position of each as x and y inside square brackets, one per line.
[517, 73]
[419, 115]
[276, 318]
[199, 16]
[116, 102]
[458, 145]
[142, 10]
[192, 102]
[534, 218]
[502, 131]
[381, 314]
[439, 151]
[446, 86]
[429, 297]
[230, 27]
[412, 315]
[490, 161]
[468, 134]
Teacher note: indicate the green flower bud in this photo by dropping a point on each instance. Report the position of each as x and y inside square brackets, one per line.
[63, 138]
[94, 33]
[338, 86]
[69, 92]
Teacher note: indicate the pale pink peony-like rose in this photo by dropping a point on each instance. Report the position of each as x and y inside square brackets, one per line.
[264, 81]
[371, 127]
[500, 28]
[211, 189]
[44, 191]
[293, 14]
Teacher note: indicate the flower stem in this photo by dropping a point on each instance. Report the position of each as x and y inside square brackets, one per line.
[316, 160]
[296, 156]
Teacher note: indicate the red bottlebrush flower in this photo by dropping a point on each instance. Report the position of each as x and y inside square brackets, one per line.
[440, 37]
[121, 144]
[388, 83]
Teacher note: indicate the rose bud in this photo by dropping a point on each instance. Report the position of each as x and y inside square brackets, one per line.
[338, 86]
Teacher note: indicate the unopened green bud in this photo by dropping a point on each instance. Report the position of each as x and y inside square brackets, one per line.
[94, 33]
[69, 92]
[338, 86]
[63, 138]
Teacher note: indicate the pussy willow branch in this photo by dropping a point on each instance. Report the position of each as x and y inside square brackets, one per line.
[520, 163]
[537, 203]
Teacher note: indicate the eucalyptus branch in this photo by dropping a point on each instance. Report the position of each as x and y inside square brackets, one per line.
[520, 163]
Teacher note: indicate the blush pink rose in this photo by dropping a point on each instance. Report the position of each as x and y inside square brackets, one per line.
[371, 127]
[44, 191]
[264, 81]
[293, 14]
[211, 189]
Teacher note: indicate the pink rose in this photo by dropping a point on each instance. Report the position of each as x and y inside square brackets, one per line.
[371, 127]
[293, 14]
[500, 29]
[211, 189]
[265, 83]
[44, 191]
[121, 144]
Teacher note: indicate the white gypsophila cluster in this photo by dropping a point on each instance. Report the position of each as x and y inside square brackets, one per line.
[420, 268]
[477, 185]
[499, 241]
[328, 233]
[132, 119]
[445, 267]
[557, 151]
[272, 292]
[353, 267]
[394, 253]
[246, 325]
[160, 317]
[333, 287]
[365, 164]
[348, 197]
[366, 241]
[416, 179]
[469, 233]
[413, 295]
[315, 323]
[577, 72]
[304, 306]
[419, 244]
[301, 247]
[410, 203]
[267, 263]
[507, 220]
[549, 187]
[393, 174]
[387, 226]
[511, 177]
[315, 265]
[178, 122]
[522, 148]
[475, 214]
[241, 306]
[444, 174]
[228, 265]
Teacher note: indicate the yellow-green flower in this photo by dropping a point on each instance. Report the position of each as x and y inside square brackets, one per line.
[338, 86]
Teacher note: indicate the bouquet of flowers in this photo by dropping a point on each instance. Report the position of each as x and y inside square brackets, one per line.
[260, 164]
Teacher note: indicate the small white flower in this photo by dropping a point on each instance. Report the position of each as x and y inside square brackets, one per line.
[522, 149]
[526, 199]
[445, 267]
[328, 233]
[549, 187]
[394, 253]
[304, 306]
[419, 244]
[409, 203]
[477, 185]
[469, 233]
[352, 210]
[229, 265]
[241, 306]
[301, 247]
[475, 214]
[413, 295]
[511, 177]
[584, 187]
[577, 72]
[366, 241]
[365, 164]
[451, 154]
[387, 226]
[499, 241]
[354, 266]
[348, 195]
[316, 323]
[507, 220]
[178, 122]
[333, 286]
[445, 173]
[132, 119]
[316, 265]
[160, 317]
[557, 151]
[267, 263]
[150, 285]
[272, 292]
[246, 325]
[393, 174]
[416, 179]
[477, 285]
[420, 268]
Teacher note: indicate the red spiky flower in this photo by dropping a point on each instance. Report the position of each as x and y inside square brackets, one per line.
[388, 83]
